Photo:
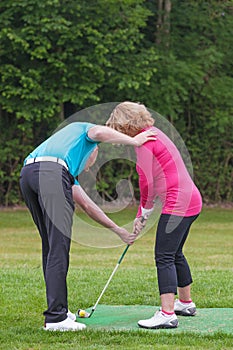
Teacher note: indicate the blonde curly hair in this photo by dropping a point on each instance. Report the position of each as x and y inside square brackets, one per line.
[130, 118]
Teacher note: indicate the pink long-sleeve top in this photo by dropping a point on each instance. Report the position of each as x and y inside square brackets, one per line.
[162, 173]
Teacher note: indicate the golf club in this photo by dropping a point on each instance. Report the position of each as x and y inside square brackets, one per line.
[84, 314]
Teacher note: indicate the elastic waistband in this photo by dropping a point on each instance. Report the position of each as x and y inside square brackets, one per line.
[47, 159]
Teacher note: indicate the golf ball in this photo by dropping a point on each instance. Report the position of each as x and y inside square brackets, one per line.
[81, 313]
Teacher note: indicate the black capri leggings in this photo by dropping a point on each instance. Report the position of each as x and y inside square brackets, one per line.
[172, 267]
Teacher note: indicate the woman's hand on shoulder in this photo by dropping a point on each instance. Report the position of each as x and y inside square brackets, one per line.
[145, 136]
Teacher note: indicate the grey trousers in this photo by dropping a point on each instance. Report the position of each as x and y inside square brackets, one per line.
[47, 191]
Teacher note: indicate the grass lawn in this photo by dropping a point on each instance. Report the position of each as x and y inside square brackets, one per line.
[209, 250]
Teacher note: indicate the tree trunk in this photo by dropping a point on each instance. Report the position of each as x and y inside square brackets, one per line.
[163, 22]
[159, 22]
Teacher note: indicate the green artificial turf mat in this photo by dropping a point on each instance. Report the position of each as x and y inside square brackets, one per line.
[125, 317]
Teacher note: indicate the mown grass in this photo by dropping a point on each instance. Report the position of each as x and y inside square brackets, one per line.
[209, 251]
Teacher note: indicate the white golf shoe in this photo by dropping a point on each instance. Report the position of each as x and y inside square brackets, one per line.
[184, 309]
[71, 315]
[63, 326]
[159, 320]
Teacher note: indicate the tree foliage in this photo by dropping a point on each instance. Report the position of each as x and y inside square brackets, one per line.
[176, 57]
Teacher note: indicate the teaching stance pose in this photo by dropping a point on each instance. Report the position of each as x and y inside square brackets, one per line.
[49, 188]
[163, 175]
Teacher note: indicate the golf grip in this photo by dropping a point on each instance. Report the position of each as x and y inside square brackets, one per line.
[113, 273]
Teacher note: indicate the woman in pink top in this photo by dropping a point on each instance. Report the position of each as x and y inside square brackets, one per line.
[162, 174]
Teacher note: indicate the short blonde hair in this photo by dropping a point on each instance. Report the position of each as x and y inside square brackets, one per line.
[130, 118]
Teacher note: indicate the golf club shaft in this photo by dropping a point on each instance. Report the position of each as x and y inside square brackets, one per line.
[110, 278]
[113, 273]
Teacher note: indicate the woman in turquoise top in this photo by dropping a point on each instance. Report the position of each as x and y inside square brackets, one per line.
[49, 188]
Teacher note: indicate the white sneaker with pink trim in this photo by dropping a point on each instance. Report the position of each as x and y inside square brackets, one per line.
[185, 309]
[159, 320]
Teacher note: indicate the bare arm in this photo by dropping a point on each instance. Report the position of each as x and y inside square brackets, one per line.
[92, 210]
[106, 134]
